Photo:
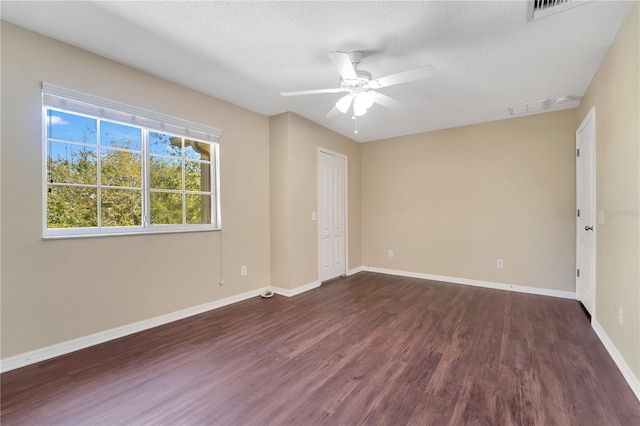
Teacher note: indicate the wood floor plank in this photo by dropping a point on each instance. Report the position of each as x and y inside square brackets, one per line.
[433, 411]
[370, 349]
[509, 408]
[476, 403]
[585, 389]
[367, 399]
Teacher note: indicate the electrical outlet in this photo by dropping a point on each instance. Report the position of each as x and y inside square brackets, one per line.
[243, 270]
[500, 264]
[620, 315]
[390, 253]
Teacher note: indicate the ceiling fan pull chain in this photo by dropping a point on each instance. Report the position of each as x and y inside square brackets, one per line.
[355, 124]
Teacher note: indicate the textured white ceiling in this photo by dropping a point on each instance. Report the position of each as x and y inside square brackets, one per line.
[487, 55]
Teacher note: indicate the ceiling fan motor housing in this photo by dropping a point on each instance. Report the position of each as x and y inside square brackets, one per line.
[356, 57]
[352, 85]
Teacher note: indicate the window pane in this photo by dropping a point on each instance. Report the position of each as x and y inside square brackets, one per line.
[197, 176]
[166, 208]
[68, 163]
[113, 134]
[121, 207]
[71, 127]
[120, 168]
[198, 208]
[72, 207]
[197, 150]
[165, 173]
[160, 143]
[104, 172]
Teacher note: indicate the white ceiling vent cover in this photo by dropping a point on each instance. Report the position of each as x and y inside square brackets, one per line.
[541, 8]
[529, 107]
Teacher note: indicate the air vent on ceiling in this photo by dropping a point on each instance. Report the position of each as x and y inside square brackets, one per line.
[541, 8]
[529, 107]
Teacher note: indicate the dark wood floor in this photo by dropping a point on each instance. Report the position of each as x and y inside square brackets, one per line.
[370, 349]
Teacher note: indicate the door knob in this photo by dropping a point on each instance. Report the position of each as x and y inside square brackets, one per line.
[588, 228]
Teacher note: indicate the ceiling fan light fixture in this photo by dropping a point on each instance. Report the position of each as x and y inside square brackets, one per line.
[358, 111]
[364, 100]
[344, 103]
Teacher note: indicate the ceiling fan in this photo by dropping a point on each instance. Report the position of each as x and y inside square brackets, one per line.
[359, 84]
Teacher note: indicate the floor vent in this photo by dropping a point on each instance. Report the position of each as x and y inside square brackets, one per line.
[541, 8]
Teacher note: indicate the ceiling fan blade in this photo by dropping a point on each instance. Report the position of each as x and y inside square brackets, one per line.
[403, 77]
[344, 103]
[387, 102]
[333, 113]
[312, 92]
[342, 62]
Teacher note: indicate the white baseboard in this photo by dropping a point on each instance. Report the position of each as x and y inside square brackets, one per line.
[355, 270]
[73, 345]
[294, 292]
[476, 283]
[624, 368]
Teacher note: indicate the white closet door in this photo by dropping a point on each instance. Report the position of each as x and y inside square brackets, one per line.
[332, 216]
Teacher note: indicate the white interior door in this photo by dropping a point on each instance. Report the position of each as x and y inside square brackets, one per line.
[332, 216]
[586, 213]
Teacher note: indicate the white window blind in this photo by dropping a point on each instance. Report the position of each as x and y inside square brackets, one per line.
[68, 99]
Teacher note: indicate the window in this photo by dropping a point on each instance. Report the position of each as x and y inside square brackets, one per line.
[115, 169]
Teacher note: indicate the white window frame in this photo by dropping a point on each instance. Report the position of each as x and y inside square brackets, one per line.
[78, 103]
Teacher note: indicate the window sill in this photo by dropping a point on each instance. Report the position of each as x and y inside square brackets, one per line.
[90, 233]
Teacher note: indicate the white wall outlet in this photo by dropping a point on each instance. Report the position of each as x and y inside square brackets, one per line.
[601, 217]
[243, 270]
[620, 315]
[314, 216]
[390, 253]
[499, 263]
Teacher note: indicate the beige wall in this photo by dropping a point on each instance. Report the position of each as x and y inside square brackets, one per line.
[615, 93]
[452, 202]
[280, 196]
[56, 290]
[294, 195]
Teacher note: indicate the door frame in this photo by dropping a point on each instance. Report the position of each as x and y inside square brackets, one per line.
[589, 118]
[346, 208]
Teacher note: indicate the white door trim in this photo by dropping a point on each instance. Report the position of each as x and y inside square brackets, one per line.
[590, 117]
[346, 206]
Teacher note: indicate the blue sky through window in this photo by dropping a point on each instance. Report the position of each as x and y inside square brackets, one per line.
[120, 135]
[77, 128]
[71, 127]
